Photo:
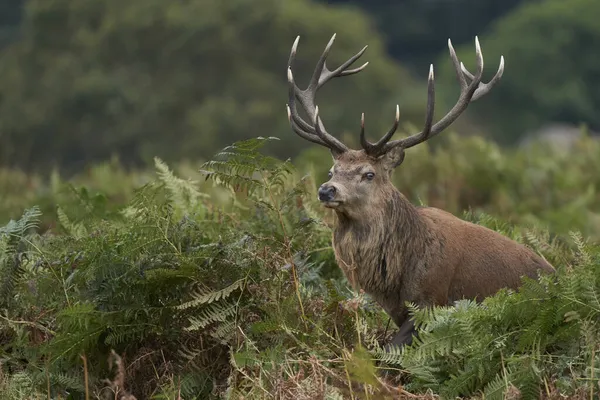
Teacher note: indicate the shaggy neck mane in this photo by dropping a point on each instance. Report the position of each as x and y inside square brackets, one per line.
[392, 234]
[397, 217]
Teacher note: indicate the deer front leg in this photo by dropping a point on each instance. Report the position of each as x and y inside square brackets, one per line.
[403, 337]
[406, 329]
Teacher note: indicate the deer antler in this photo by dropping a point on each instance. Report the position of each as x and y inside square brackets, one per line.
[315, 130]
[468, 92]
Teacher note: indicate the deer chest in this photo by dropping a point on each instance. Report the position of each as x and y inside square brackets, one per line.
[365, 264]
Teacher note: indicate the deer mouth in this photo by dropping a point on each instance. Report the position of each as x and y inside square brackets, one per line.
[332, 204]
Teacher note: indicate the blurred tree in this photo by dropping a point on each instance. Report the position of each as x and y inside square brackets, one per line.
[10, 18]
[417, 30]
[139, 78]
[552, 68]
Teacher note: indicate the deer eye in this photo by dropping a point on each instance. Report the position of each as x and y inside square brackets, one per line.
[369, 176]
[330, 174]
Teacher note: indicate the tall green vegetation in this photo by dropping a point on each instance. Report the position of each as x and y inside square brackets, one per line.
[233, 293]
[542, 185]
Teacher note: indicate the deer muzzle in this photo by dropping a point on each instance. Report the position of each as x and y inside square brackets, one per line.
[327, 193]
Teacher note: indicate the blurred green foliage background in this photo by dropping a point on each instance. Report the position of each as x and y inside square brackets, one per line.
[82, 81]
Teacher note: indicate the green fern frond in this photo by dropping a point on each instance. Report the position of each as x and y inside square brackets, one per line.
[241, 168]
[497, 387]
[527, 378]
[200, 298]
[16, 239]
[215, 312]
[581, 248]
[12, 233]
[183, 193]
[266, 326]
[391, 356]
[120, 334]
[224, 332]
[72, 381]
[76, 230]
[197, 359]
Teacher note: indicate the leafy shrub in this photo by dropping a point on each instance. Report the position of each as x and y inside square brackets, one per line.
[235, 294]
[170, 280]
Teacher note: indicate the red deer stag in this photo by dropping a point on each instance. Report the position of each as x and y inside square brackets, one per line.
[394, 251]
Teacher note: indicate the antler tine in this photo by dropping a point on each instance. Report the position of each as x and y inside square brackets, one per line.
[375, 149]
[484, 88]
[382, 145]
[363, 140]
[299, 126]
[320, 68]
[316, 132]
[303, 129]
[320, 133]
[468, 92]
[461, 78]
[424, 134]
[301, 132]
[430, 103]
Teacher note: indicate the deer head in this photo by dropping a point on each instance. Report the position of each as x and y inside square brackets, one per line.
[359, 179]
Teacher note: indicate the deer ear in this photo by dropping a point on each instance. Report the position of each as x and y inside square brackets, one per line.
[393, 158]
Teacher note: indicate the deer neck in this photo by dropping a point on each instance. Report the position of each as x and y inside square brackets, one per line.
[396, 216]
[375, 249]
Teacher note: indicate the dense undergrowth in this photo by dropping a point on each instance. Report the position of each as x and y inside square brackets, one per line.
[182, 290]
[542, 185]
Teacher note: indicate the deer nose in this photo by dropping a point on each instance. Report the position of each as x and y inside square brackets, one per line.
[326, 193]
